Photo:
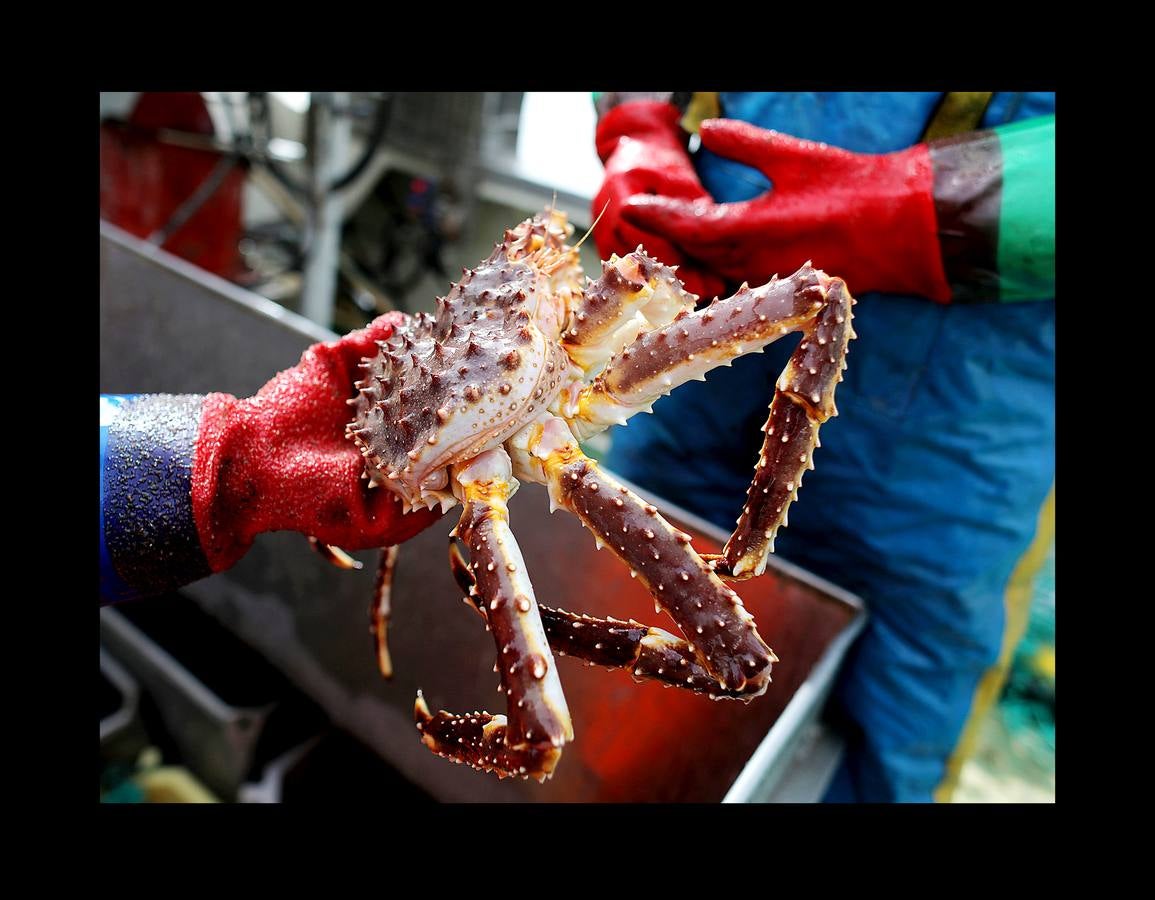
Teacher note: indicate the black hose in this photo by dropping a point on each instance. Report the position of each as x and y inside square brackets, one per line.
[259, 115]
[259, 104]
[376, 137]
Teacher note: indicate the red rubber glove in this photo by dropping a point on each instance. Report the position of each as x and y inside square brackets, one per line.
[867, 218]
[280, 460]
[643, 149]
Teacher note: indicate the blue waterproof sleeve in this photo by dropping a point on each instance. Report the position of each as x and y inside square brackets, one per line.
[148, 536]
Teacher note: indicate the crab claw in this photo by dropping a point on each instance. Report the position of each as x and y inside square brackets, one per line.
[479, 740]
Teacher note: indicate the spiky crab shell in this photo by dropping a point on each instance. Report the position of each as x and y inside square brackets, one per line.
[450, 387]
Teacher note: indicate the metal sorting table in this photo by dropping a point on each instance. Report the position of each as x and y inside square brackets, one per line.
[167, 326]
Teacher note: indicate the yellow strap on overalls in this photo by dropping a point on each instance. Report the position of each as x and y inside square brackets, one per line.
[702, 105]
[958, 112]
[1017, 604]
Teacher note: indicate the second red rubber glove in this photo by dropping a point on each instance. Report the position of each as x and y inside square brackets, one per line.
[868, 218]
[643, 149]
[280, 460]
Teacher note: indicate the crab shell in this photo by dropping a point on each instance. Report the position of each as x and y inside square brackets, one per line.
[451, 386]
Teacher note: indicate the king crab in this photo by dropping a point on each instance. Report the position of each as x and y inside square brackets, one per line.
[521, 363]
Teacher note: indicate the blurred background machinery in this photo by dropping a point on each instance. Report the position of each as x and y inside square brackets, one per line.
[341, 206]
[290, 216]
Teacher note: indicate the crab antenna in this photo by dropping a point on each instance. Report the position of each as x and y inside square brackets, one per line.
[593, 226]
[550, 212]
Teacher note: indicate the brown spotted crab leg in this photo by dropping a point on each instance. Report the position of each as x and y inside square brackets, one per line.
[529, 741]
[381, 608]
[720, 632]
[333, 555]
[659, 361]
[650, 653]
[634, 295]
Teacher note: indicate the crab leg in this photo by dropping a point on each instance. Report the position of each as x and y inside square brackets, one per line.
[334, 555]
[634, 295]
[529, 741]
[721, 632]
[616, 644]
[656, 363]
[381, 608]
[649, 653]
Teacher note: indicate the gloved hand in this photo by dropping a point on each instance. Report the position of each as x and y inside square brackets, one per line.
[643, 149]
[280, 460]
[867, 218]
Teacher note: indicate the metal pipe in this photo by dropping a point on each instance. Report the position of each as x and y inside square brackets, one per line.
[323, 235]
